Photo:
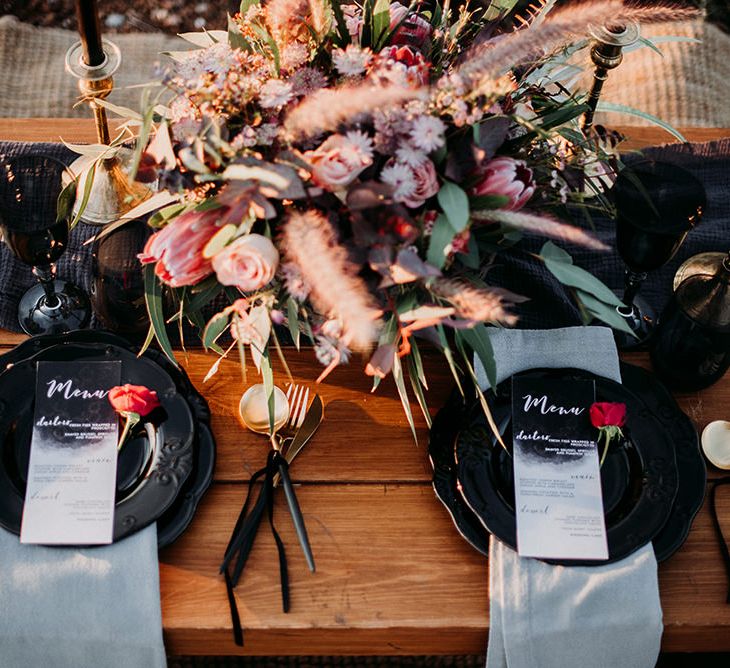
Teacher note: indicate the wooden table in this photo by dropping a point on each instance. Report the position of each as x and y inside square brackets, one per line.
[393, 576]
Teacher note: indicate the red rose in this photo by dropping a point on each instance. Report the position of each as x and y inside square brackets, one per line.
[133, 399]
[608, 418]
[608, 414]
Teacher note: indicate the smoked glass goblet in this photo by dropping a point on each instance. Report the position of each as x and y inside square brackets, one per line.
[38, 236]
[657, 204]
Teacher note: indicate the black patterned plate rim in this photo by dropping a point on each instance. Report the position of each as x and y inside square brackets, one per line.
[656, 481]
[445, 481]
[172, 462]
[173, 523]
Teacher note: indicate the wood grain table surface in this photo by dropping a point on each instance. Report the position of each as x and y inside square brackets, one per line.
[393, 576]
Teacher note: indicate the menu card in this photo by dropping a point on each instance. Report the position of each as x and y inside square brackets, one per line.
[69, 498]
[558, 499]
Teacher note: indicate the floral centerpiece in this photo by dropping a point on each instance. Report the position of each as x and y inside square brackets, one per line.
[350, 172]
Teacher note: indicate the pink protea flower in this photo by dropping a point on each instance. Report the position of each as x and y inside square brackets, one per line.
[507, 177]
[415, 30]
[415, 67]
[178, 248]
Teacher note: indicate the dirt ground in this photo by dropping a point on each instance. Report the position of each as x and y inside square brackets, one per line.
[173, 16]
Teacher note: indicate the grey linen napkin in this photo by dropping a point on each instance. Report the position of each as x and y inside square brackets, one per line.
[568, 617]
[81, 608]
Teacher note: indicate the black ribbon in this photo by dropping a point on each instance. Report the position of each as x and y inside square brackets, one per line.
[243, 536]
[724, 550]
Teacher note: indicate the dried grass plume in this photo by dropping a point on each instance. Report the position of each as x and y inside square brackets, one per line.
[475, 303]
[561, 26]
[324, 110]
[310, 242]
[542, 225]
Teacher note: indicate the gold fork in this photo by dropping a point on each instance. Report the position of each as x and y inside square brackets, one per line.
[298, 398]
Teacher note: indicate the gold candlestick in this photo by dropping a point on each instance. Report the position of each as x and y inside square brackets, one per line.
[112, 193]
[607, 54]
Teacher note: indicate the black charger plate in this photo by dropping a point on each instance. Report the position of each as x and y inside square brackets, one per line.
[150, 471]
[176, 519]
[663, 407]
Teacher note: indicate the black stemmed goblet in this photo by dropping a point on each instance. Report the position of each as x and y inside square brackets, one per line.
[657, 204]
[37, 235]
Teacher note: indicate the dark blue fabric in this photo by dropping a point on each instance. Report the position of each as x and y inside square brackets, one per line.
[75, 263]
[549, 305]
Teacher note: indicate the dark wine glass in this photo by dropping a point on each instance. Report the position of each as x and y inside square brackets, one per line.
[34, 232]
[117, 286]
[657, 204]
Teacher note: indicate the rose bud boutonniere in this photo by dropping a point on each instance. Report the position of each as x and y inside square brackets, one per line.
[608, 418]
[132, 402]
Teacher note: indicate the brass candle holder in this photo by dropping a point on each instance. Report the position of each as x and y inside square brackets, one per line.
[607, 54]
[112, 192]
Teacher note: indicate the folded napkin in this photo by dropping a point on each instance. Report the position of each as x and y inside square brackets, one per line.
[96, 607]
[576, 616]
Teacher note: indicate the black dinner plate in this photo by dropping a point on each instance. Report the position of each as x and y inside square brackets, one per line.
[639, 478]
[176, 519]
[151, 471]
[690, 464]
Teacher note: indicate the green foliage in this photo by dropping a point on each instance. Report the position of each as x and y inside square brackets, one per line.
[153, 300]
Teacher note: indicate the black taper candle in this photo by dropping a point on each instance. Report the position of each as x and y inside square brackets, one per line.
[87, 17]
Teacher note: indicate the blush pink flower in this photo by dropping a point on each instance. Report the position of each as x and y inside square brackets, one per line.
[507, 177]
[249, 263]
[427, 184]
[339, 161]
[178, 248]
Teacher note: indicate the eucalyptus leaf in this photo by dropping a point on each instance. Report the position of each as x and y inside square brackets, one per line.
[246, 5]
[417, 362]
[576, 277]
[603, 312]
[403, 394]
[88, 183]
[215, 327]
[630, 111]
[292, 316]
[203, 39]
[65, 202]
[153, 299]
[455, 204]
[418, 390]
[381, 21]
[477, 338]
[267, 374]
[446, 349]
[441, 236]
[482, 202]
[496, 9]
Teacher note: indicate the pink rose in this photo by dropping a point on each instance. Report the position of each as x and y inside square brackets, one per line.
[249, 262]
[427, 184]
[414, 30]
[416, 66]
[338, 162]
[178, 248]
[507, 177]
